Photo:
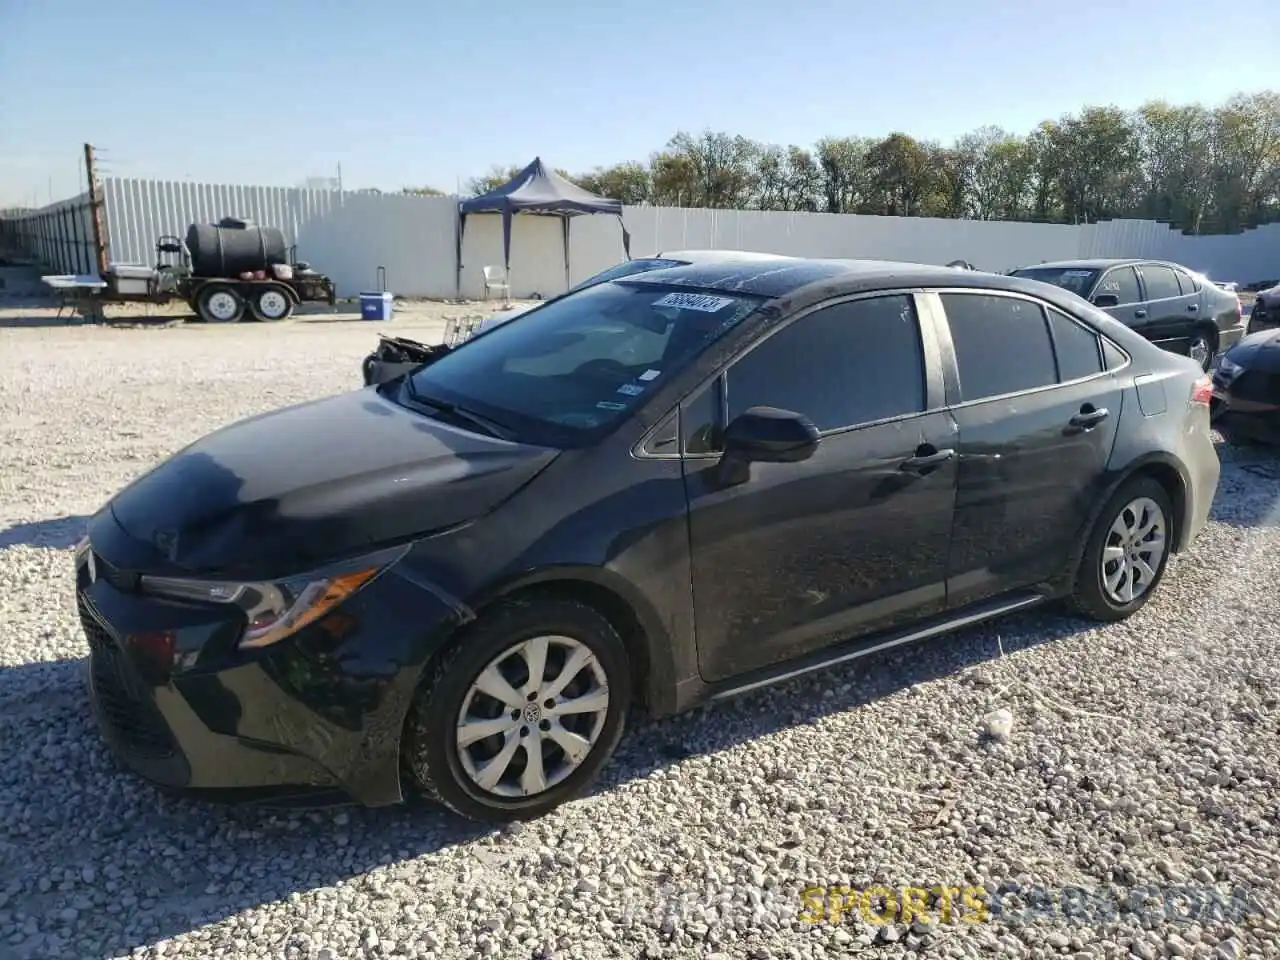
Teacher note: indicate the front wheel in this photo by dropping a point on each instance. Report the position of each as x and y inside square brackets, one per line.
[1125, 556]
[522, 713]
[219, 303]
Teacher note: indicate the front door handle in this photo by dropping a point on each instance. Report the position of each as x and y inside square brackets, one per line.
[1140, 314]
[924, 462]
[1090, 418]
[1193, 307]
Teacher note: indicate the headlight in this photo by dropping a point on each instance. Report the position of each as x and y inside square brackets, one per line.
[275, 609]
[1229, 368]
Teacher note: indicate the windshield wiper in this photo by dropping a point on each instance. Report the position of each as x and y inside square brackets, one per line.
[491, 427]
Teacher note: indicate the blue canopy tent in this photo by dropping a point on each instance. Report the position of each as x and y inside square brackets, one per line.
[539, 191]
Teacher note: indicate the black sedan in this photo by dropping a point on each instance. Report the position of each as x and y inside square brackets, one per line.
[659, 490]
[1246, 388]
[1172, 306]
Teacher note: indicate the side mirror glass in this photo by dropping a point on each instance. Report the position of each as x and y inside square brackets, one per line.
[1105, 300]
[770, 435]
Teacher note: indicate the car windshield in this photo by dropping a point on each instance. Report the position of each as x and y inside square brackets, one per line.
[1079, 281]
[628, 268]
[576, 367]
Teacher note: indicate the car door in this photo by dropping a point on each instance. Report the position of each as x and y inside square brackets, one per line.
[1123, 284]
[852, 540]
[1037, 413]
[1172, 314]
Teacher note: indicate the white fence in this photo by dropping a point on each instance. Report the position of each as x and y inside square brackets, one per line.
[349, 235]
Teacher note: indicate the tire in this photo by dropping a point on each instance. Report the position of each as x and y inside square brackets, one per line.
[271, 304]
[219, 303]
[1202, 348]
[436, 765]
[1091, 596]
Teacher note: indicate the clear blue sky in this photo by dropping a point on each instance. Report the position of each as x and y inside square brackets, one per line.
[402, 93]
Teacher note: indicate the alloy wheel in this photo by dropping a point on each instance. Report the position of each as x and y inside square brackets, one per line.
[1134, 550]
[532, 716]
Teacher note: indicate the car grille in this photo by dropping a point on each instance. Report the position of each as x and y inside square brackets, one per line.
[131, 720]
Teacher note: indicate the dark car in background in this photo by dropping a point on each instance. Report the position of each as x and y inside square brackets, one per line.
[1266, 310]
[1167, 303]
[1246, 388]
[659, 490]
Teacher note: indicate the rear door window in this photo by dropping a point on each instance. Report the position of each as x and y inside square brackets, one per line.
[988, 332]
[1160, 281]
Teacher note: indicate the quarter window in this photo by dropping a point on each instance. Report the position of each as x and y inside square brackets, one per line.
[1002, 344]
[846, 364]
[700, 421]
[1076, 347]
[1160, 281]
[1123, 283]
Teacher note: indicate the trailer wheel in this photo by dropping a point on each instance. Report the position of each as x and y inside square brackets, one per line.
[270, 304]
[219, 303]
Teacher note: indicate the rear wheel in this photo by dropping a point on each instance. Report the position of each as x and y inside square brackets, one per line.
[522, 713]
[1125, 557]
[271, 304]
[1202, 348]
[219, 303]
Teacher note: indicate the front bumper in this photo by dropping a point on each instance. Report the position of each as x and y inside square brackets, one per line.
[1247, 405]
[315, 718]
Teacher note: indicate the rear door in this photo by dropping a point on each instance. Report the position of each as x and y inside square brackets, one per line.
[854, 539]
[1037, 414]
[1122, 282]
[1172, 314]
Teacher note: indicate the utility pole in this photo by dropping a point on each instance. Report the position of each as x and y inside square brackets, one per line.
[95, 209]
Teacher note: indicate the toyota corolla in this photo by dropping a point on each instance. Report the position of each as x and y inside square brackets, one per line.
[655, 491]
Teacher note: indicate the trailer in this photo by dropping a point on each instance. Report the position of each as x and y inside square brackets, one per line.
[223, 271]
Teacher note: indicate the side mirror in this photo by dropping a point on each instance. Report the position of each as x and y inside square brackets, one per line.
[770, 435]
[1105, 300]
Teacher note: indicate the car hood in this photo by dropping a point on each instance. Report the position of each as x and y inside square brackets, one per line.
[1258, 351]
[288, 490]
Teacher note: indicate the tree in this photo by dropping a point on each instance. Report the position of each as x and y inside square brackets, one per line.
[422, 191]
[1203, 169]
[627, 182]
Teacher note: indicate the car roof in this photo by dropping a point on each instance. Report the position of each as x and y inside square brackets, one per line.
[785, 276]
[713, 256]
[1091, 264]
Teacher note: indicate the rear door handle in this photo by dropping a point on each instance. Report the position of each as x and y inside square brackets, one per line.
[927, 461]
[1193, 307]
[1087, 419]
[1140, 314]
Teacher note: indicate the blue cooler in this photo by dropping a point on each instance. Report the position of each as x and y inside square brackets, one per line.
[376, 306]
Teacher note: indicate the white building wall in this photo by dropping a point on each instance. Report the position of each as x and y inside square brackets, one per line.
[349, 235]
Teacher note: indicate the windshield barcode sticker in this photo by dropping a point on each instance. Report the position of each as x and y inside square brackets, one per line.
[694, 301]
[631, 389]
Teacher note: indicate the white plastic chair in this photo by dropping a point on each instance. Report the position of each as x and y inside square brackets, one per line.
[495, 278]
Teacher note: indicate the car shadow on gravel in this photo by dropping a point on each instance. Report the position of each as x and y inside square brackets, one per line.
[99, 858]
[58, 533]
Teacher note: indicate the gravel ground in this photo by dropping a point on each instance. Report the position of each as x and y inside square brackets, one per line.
[1143, 754]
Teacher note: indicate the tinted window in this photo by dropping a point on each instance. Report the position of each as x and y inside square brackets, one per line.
[1186, 282]
[1076, 347]
[1002, 344]
[578, 365]
[843, 365]
[1160, 281]
[1078, 282]
[1123, 283]
[700, 421]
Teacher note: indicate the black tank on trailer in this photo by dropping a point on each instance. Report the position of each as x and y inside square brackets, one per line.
[232, 246]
